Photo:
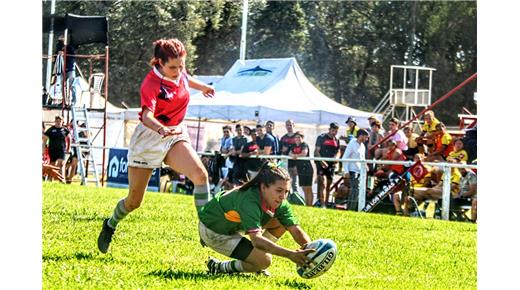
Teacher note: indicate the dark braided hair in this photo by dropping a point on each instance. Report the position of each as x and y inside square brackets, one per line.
[269, 173]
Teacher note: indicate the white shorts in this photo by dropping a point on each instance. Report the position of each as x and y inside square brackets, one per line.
[148, 149]
[223, 244]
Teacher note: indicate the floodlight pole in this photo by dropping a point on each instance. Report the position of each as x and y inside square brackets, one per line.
[49, 48]
[245, 9]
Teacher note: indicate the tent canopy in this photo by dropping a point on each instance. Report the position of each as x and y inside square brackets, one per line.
[81, 29]
[271, 89]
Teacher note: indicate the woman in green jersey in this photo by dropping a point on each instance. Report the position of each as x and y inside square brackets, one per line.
[258, 209]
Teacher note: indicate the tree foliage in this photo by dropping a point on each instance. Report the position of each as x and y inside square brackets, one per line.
[344, 47]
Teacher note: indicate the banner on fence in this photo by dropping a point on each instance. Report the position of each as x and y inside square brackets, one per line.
[117, 171]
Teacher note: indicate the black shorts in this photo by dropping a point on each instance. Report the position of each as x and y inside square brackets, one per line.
[291, 163]
[242, 250]
[329, 171]
[56, 154]
[305, 179]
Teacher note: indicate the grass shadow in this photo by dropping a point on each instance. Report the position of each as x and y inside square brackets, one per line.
[171, 274]
[293, 284]
[76, 255]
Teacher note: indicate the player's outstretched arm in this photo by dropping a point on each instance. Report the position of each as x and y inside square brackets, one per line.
[297, 256]
[207, 90]
[299, 235]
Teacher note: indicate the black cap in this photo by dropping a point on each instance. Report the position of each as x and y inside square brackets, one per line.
[351, 119]
[334, 125]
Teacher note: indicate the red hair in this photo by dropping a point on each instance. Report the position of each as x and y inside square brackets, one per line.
[167, 48]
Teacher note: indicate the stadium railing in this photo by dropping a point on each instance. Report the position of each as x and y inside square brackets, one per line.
[446, 168]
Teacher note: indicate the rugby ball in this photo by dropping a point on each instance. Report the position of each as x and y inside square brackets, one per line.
[323, 258]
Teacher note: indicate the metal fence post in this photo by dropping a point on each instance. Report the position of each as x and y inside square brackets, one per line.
[362, 186]
[446, 196]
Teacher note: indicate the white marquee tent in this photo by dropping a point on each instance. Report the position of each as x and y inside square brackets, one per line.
[271, 89]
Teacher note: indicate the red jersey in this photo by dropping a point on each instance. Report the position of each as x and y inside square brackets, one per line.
[395, 167]
[167, 100]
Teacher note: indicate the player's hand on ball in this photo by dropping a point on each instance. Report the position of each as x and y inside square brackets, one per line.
[300, 257]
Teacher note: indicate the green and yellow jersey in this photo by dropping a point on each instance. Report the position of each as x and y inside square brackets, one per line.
[243, 211]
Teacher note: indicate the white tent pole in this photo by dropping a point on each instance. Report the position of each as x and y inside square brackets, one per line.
[245, 9]
[49, 49]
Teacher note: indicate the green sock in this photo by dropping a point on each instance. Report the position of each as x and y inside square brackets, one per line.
[119, 213]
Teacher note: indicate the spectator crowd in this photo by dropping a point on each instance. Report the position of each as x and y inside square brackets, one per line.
[338, 183]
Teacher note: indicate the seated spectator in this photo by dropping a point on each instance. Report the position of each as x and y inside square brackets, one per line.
[427, 136]
[470, 144]
[375, 137]
[355, 150]
[250, 149]
[468, 189]
[327, 145]
[435, 192]
[304, 167]
[397, 136]
[395, 154]
[458, 152]
[427, 179]
[413, 147]
[443, 145]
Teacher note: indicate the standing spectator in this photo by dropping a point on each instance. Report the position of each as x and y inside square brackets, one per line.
[59, 143]
[413, 147]
[269, 127]
[458, 151]
[304, 167]
[225, 147]
[239, 169]
[443, 145]
[226, 140]
[352, 130]
[70, 62]
[251, 148]
[327, 145]
[427, 136]
[247, 133]
[162, 135]
[355, 150]
[287, 142]
[265, 141]
[468, 189]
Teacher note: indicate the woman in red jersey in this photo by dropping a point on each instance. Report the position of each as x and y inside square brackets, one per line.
[161, 136]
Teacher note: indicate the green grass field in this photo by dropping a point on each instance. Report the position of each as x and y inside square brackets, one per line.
[157, 247]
